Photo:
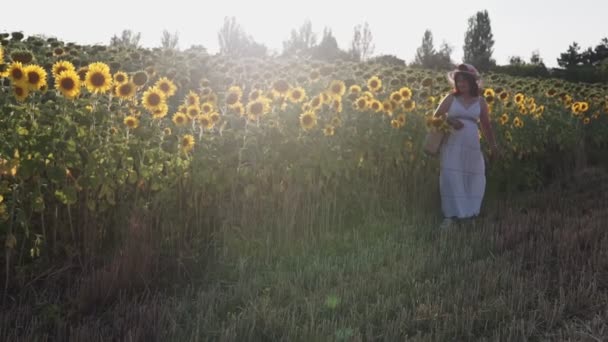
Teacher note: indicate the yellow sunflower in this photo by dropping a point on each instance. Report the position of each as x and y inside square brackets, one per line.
[35, 76]
[409, 105]
[388, 106]
[519, 98]
[204, 121]
[160, 112]
[489, 92]
[166, 86]
[395, 123]
[193, 111]
[233, 96]
[187, 143]
[361, 103]
[296, 95]
[396, 97]
[337, 88]
[153, 99]
[504, 119]
[207, 107]
[374, 84]
[258, 107]
[68, 83]
[517, 122]
[308, 120]
[316, 102]
[354, 89]
[131, 122]
[16, 73]
[406, 93]
[376, 106]
[126, 90]
[121, 77]
[192, 99]
[61, 66]
[20, 91]
[214, 117]
[167, 131]
[180, 119]
[329, 130]
[98, 78]
[239, 109]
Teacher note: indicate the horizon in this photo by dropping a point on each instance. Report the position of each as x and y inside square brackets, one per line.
[515, 25]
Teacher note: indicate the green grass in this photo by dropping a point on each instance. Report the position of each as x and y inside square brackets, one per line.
[531, 269]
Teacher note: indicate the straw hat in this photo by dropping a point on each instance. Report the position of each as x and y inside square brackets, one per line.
[464, 68]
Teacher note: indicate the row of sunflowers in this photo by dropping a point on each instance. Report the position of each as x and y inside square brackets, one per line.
[100, 126]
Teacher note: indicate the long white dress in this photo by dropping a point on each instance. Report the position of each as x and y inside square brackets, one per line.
[462, 178]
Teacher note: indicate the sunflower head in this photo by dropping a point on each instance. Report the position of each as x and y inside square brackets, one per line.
[296, 95]
[337, 88]
[180, 119]
[186, 143]
[131, 122]
[233, 96]
[60, 66]
[153, 99]
[98, 78]
[374, 84]
[308, 120]
[166, 86]
[35, 76]
[20, 91]
[329, 130]
[126, 90]
[120, 77]
[68, 83]
[16, 72]
[280, 88]
[406, 93]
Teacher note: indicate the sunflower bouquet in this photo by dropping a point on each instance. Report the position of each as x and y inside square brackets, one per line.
[437, 129]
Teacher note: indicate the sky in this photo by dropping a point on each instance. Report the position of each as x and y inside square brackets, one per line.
[519, 27]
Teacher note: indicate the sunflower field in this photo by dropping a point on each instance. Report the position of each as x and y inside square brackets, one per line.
[97, 136]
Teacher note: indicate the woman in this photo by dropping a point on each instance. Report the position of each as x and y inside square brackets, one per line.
[462, 177]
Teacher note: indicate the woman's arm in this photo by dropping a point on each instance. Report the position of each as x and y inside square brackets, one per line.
[486, 125]
[442, 110]
[443, 107]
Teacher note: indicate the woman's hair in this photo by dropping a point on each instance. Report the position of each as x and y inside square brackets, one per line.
[473, 87]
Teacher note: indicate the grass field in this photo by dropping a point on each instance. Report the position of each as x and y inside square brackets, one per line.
[531, 268]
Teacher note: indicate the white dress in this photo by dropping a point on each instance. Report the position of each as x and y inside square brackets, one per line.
[462, 178]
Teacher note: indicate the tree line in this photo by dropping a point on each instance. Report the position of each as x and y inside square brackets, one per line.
[575, 64]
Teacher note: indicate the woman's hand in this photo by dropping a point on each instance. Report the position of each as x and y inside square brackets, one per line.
[455, 123]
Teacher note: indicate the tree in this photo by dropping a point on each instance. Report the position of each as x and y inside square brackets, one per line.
[425, 54]
[361, 45]
[444, 57]
[570, 58]
[535, 59]
[328, 49]
[127, 39]
[169, 41]
[300, 41]
[234, 42]
[479, 42]
[232, 38]
[516, 60]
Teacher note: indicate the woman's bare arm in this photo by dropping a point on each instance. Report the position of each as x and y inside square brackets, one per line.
[443, 107]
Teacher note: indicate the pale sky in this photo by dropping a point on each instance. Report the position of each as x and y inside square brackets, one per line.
[519, 27]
